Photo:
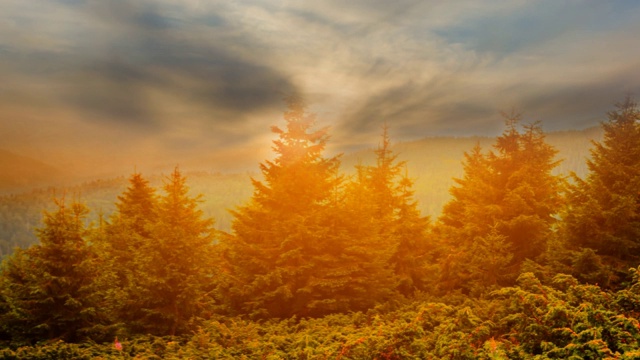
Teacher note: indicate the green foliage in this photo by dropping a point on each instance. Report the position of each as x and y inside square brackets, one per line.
[295, 249]
[48, 290]
[181, 272]
[433, 162]
[149, 269]
[418, 331]
[563, 320]
[174, 269]
[569, 320]
[603, 212]
[20, 213]
[503, 206]
[322, 263]
[119, 243]
[487, 259]
[381, 201]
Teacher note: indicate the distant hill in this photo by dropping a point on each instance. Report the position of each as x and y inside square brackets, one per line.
[432, 162]
[20, 172]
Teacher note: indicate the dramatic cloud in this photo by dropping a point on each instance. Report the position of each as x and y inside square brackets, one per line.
[157, 81]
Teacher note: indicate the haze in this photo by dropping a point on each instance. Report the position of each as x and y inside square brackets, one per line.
[109, 85]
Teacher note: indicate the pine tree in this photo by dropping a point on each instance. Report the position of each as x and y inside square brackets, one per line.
[506, 200]
[176, 267]
[530, 192]
[121, 245]
[137, 206]
[604, 209]
[292, 251]
[384, 198]
[412, 260]
[49, 289]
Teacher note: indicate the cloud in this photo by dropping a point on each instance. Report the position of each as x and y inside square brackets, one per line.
[177, 76]
[535, 59]
[134, 54]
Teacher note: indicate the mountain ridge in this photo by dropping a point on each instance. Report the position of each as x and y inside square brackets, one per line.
[18, 172]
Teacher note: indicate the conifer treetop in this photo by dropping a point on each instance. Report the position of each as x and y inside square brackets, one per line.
[298, 141]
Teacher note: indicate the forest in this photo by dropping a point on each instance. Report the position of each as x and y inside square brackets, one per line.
[521, 262]
[432, 163]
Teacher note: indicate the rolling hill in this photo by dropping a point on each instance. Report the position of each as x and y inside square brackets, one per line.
[19, 172]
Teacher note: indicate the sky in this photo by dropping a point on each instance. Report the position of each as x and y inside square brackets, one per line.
[109, 83]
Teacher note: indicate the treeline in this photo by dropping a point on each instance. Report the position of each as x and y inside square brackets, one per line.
[312, 243]
[431, 162]
[21, 213]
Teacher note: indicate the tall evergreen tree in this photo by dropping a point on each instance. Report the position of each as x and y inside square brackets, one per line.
[292, 251]
[531, 194]
[505, 201]
[49, 289]
[121, 245]
[383, 197]
[604, 209]
[412, 259]
[176, 267]
[136, 207]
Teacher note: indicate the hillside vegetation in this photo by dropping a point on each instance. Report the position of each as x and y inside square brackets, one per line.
[522, 260]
